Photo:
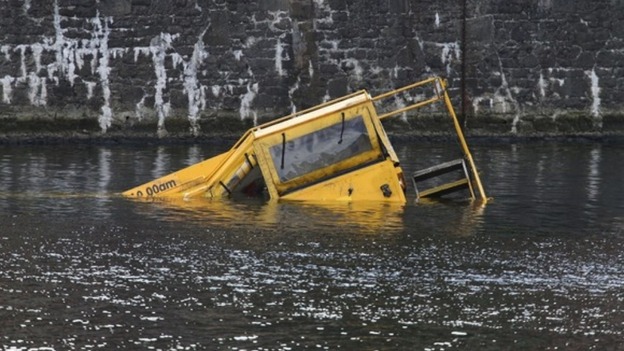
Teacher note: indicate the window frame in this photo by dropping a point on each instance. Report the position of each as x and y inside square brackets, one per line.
[278, 187]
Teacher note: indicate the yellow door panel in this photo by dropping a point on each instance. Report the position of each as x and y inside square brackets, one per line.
[378, 182]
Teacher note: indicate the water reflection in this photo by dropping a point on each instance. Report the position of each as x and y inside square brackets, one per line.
[194, 155]
[554, 187]
[544, 187]
[261, 214]
[456, 218]
[162, 165]
[82, 268]
[593, 177]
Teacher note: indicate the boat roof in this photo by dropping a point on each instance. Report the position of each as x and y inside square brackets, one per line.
[322, 110]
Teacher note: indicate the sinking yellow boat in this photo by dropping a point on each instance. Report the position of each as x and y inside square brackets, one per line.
[336, 151]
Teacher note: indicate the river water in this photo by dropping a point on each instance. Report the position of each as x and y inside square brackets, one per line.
[539, 267]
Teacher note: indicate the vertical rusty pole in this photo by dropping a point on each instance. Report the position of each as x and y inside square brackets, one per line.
[464, 46]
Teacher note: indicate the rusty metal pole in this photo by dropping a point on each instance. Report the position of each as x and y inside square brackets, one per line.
[464, 46]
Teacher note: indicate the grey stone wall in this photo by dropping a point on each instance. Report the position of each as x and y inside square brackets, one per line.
[197, 66]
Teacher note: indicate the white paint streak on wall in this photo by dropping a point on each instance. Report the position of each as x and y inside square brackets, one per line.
[291, 91]
[279, 48]
[22, 50]
[6, 88]
[62, 48]
[326, 97]
[26, 6]
[216, 90]
[246, 100]
[354, 66]
[37, 92]
[158, 47]
[139, 107]
[501, 101]
[193, 89]
[502, 93]
[37, 49]
[450, 52]
[476, 102]
[80, 53]
[595, 92]
[144, 50]
[249, 42]
[238, 54]
[504, 97]
[90, 88]
[117, 52]
[399, 103]
[176, 60]
[6, 49]
[100, 38]
[542, 85]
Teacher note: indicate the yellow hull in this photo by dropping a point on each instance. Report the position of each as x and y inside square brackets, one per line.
[177, 183]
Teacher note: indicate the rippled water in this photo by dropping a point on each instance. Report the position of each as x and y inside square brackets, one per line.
[540, 267]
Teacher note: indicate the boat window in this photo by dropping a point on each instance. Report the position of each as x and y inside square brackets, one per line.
[320, 149]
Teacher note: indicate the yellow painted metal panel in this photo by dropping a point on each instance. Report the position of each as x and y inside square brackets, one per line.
[175, 183]
[381, 132]
[355, 99]
[205, 178]
[365, 184]
[278, 186]
[221, 182]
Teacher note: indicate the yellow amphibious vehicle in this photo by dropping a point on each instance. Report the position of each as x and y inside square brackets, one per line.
[336, 151]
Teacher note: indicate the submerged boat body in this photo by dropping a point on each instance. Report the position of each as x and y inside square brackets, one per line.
[336, 151]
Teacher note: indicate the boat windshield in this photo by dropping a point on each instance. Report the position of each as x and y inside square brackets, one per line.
[321, 148]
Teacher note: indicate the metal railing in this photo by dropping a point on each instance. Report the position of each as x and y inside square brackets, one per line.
[440, 94]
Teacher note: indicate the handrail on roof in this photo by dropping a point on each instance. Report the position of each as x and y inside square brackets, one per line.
[408, 87]
[439, 88]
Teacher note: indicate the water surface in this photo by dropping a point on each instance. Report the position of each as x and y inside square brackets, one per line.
[539, 267]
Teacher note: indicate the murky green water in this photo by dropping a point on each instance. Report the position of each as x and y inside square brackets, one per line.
[540, 267]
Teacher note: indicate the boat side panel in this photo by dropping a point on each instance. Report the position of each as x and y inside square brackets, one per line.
[220, 183]
[378, 182]
[174, 183]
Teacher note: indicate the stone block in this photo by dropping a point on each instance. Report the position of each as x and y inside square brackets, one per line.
[337, 5]
[613, 122]
[115, 7]
[301, 9]
[140, 2]
[337, 87]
